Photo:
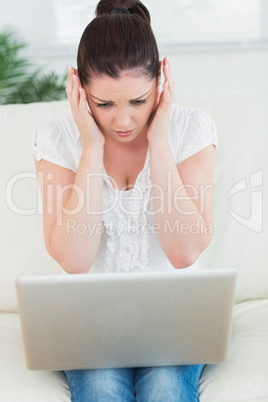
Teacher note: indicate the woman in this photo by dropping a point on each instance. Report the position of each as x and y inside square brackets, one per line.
[126, 181]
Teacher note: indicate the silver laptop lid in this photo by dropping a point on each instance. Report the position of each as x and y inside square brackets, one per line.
[126, 320]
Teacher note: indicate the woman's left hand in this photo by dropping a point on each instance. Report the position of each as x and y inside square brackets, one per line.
[159, 121]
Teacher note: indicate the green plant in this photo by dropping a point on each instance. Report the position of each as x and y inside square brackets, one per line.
[17, 83]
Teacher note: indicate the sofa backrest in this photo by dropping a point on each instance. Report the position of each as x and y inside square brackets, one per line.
[240, 190]
[240, 238]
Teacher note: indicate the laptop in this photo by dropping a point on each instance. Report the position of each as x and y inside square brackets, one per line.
[112, 320]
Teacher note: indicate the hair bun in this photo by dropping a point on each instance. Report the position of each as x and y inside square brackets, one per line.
[113, 7]
[120, 10]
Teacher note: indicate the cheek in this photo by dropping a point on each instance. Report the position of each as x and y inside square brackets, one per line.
[104, 120]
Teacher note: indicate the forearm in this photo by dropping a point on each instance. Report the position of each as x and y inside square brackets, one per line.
[76, 234]
[181, 227]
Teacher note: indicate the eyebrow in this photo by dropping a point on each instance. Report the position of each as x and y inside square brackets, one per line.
[106, 101]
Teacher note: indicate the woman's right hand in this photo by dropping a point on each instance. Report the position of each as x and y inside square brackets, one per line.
[84, 120]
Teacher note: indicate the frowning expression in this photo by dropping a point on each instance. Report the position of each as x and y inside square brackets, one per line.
[122, 107]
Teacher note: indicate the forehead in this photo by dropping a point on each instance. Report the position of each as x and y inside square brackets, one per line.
[128, 84]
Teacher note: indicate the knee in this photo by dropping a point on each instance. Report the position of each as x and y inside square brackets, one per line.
[168, 385]
[95, 385]
[171, 383]
[188, 382]
[157, 384]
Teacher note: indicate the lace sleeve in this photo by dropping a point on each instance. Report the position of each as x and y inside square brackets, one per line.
[198, 134]
[50, 141]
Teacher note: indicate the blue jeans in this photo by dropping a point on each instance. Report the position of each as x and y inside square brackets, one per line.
[144, 384]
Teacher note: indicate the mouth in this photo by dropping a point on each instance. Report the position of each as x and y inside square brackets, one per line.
[124, 133]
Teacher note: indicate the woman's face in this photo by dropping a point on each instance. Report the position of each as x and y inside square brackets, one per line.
[122, 105]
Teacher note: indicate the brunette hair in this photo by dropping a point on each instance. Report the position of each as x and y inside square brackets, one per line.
[117, 41]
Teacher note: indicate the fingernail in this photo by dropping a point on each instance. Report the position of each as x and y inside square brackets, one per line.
[74, 76]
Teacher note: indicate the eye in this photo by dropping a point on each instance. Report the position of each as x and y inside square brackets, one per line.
[104, 105]
[138, 102]
[134, 102]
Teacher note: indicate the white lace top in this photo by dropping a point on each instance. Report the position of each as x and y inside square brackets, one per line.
[129, 239]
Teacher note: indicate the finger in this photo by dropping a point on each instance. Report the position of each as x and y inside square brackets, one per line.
[161, 98]
[157, 98]
[158, 88]
[168, 74]
[83, 101]
[75, 94]
[160, 68]
[166, 96]
[166, 70]
[78, 80]
[69, 85]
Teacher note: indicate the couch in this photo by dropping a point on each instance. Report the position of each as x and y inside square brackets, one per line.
[240, 241]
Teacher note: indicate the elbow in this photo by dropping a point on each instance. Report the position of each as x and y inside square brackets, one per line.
[184, 259]
[68, 266]
[74, 267]
[71, 257]
[75, 270]
[179, 260]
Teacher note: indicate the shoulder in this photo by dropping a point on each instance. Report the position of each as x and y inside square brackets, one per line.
[184, 116]
[191, 129]
[60, 126]
[58, 140]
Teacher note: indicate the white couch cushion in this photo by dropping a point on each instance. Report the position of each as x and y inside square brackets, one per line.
[243, 378]
[17, 382]
[242, 123]
[23, 250]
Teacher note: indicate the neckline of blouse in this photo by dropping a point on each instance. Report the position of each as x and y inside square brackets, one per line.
[137, 179]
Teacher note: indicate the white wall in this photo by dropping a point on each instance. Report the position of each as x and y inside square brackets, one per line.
[19, 15]
[220, 71]
[201, 73]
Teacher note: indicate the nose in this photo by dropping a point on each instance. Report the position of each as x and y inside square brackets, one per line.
[123, 120]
